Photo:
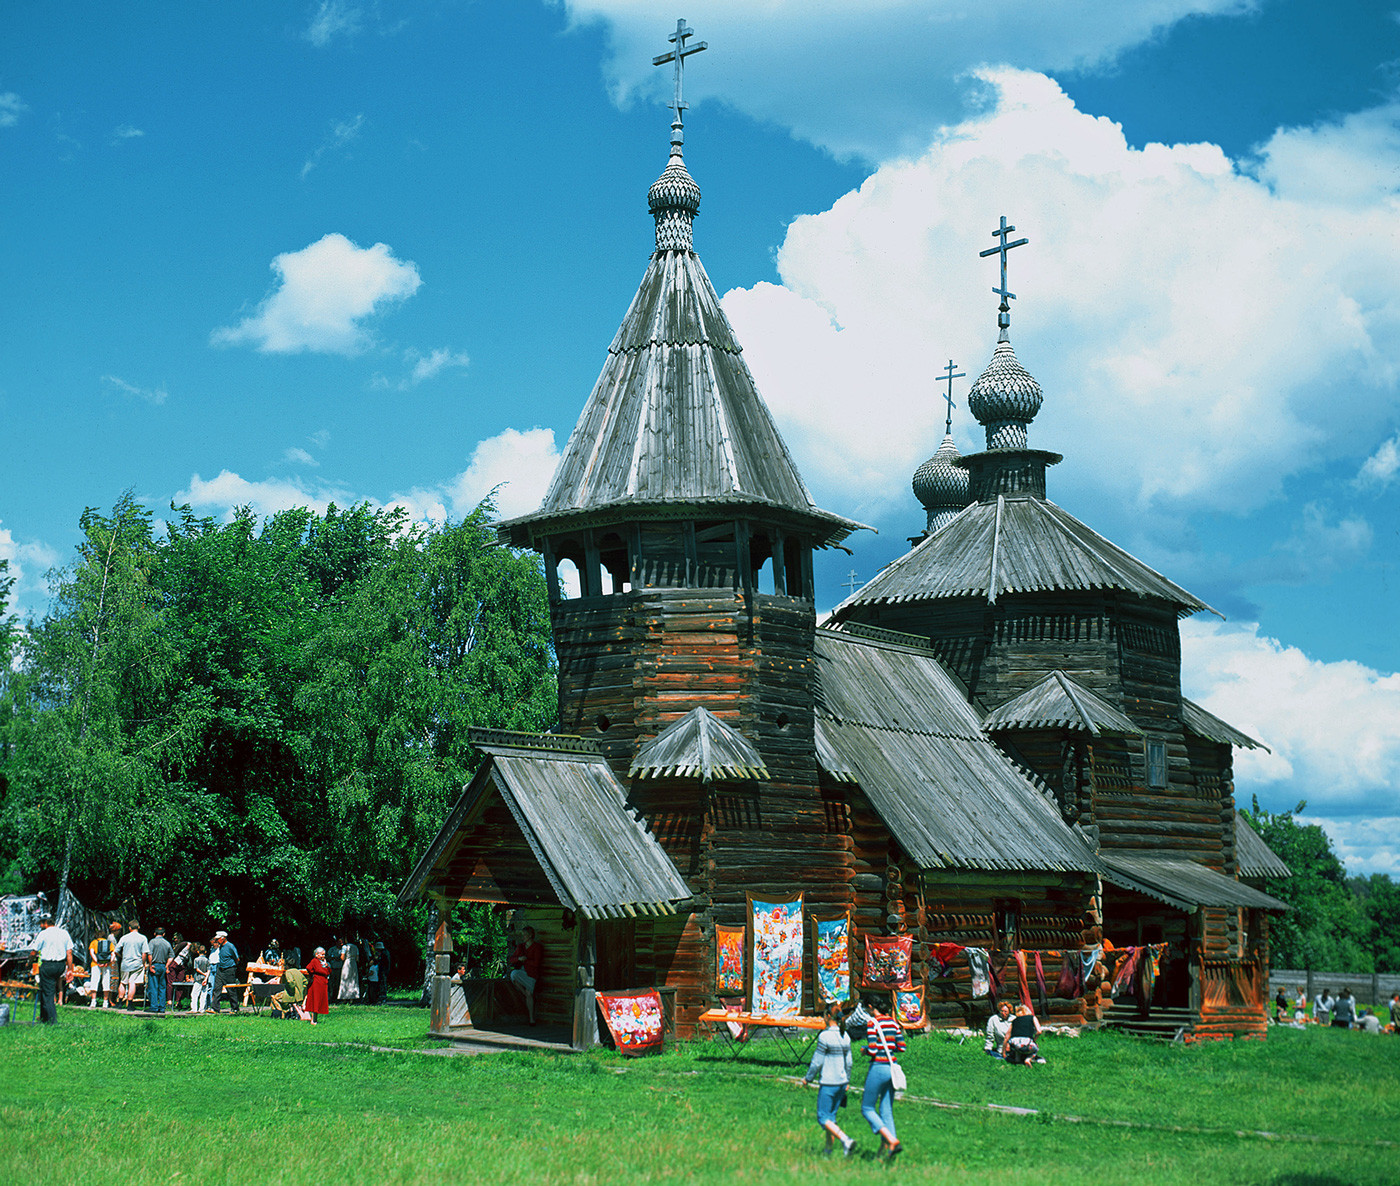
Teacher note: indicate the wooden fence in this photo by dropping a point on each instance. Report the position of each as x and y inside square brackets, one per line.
[1369, 988]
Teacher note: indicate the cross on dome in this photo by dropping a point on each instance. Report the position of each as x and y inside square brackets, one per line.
[1001, 249]
[678, 56]
[949, 376]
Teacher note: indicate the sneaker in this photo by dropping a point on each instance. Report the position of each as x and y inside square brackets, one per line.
[847, 1146]
[895, 1150]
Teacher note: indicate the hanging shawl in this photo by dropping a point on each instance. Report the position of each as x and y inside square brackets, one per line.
[1151, 965]
[1040, 986]
[945, 954]
[1068, 984]
[980, 967]
[1088, 960]
[1123, 977]
[1020, 958]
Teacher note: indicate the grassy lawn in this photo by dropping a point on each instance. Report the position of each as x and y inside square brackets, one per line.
[248, 1099]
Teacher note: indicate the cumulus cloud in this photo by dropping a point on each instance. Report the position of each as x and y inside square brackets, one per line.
[332, 19]
[516, 465]
[899, 61]
[299, 456]
[152, 395]
[11, 108]
[1334, 728]
[324, 293]
[1210, 335]
[228, 491]
[342, 134]
[29, 564]
[1370, 845]
[1380, 469]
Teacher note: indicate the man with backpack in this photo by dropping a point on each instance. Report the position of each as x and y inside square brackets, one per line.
[224, 957]
[101, 952]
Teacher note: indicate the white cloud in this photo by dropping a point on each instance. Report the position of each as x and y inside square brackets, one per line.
[152, 395]
[126, 132]
[341, 135]
[1210, 336]
[320, 438]
[516, 465]
[30, 562]
[431, 365]
[1381, 468]
[1350, 161]
[229, 490]
[332, 19]
[299, 456]
[11, 108]
[899, 61]
[1370, 845]
[324, 292]
[1334, 728]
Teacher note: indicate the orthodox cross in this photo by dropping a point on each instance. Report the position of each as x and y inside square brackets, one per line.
[679, 55]
[1001, 249]
[850, 582]
[949, 376]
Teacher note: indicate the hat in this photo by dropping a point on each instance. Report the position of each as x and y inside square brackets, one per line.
[221, 934]
[114, 925]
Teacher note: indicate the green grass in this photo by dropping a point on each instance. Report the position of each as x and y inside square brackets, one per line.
[249, 1099]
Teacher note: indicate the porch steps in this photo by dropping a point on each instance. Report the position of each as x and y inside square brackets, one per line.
[1164, 1024]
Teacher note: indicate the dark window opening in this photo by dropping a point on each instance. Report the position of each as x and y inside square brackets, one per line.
[1157, 764]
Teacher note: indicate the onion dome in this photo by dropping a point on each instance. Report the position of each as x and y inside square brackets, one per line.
[941, 486]
[674, 199]
[1005, 398]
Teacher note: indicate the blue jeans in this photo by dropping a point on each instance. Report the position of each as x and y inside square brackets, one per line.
[877, 1100]
[155, 990]
[828, 1100]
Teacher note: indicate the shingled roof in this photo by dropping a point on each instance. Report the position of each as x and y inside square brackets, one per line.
[1057, 702]
[1212, 728]
[675, 419]
[698, 745]
[1015, 545]
[1256, 859]
[891, 718]
[568, 812]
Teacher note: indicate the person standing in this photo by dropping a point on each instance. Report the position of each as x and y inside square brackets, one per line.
[1322, 1007]
[158, 956]
[132, 951]
[100, 953]
[371, 975]
[831, 1063]
[199, 994]
[526, 963]
[334, 960]
[318, 1001]
[54, 950]
[1395, 1012]
[1344, 1011]
[349, 972]
[225, 961]
[383, 953]
[884, 1040]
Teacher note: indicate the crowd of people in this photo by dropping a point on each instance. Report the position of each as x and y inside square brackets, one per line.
[1339, 1012]
[124, 969]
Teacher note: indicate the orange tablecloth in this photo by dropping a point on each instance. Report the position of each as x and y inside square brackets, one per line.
[793, 1022]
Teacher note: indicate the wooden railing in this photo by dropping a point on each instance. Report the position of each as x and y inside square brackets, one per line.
[1231, 984]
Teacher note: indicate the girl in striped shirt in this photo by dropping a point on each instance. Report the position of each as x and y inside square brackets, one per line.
[884, 1041]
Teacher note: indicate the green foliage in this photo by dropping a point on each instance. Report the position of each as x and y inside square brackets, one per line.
[1380, 904]
[262, 726]
[1326, 927]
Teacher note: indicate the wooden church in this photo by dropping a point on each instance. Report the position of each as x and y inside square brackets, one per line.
[984, 752]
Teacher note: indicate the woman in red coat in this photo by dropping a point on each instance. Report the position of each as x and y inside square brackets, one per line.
[318, 999]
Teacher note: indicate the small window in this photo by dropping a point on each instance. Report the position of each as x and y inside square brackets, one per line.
[1157, 764]
[1008, 923]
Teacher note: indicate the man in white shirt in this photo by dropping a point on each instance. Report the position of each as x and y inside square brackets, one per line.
[54, 948]
[1322, 1007]
[998, 1026]
[131, 958]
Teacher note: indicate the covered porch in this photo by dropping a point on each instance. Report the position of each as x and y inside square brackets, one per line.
[544, 830]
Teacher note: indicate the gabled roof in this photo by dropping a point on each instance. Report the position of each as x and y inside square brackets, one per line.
[699, 745]
[1057, 702]
[891, 718]
[1212, 728]
[1256, 859]
[1181, 882]
[1015, 545]
[596, 855]
[675, 419]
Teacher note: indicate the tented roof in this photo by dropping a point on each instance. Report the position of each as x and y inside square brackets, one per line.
[698, 745]
[1058, 702]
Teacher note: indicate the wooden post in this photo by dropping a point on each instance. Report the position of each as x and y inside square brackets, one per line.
[551, 573]
[442, 971]
[585, 995]
[779, 561]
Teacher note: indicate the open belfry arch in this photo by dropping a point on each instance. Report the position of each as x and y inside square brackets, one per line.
[959, 758]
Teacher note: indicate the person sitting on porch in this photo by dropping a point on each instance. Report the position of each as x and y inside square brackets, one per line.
[525, 965]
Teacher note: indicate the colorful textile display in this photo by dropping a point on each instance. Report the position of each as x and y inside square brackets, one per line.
[1126, 970]
[1088, 960]
[1042, 996]
[831, 942]
[729, 960]
[775, 957]
[945, 954]
[1020, 958]
[19, 921]
[889, 961]
[633, 1019]
[1068, 984]
[909, 1008]
[981, 969]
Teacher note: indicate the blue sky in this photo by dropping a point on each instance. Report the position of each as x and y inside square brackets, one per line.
[278, 254]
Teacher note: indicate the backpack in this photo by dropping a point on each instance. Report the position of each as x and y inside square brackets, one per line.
[104, 950]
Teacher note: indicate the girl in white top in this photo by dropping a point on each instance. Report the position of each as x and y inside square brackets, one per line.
[831, 1061]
